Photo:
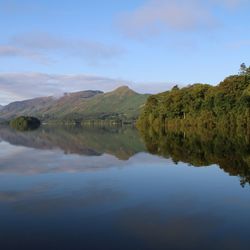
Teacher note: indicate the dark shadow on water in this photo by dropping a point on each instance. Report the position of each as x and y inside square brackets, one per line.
[201, 148]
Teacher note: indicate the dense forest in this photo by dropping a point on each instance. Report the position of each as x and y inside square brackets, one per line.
[201, 105]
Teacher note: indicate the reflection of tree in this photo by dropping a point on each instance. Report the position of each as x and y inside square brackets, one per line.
[230, 152]
[120, 142]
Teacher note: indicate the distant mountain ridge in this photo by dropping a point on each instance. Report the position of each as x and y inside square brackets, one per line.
[122, 103]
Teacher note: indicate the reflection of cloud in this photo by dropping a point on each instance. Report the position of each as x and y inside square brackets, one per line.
[178, 229]
[30, 161]
[85, 141]
[17, 196]
[35, 200]
[7, 151]
[26, 161]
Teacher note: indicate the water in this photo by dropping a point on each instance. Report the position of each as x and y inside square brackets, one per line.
[112, 189]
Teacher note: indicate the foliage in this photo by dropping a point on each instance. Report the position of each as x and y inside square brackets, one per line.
[244, 70]
[23, 123]
[201, 105]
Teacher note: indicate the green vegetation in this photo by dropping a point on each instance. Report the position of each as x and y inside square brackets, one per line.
[202, 124]
[24, 123]
[244, 70]
[202, 105]
[119, 106]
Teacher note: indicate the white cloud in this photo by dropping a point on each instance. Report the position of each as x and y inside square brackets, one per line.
[12, 51]
[157, 16]
[230, 3]
[20, 86]
[44, 47]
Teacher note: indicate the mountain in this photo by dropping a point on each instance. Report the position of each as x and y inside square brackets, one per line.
[26, 107]
[1, 107]
[122, 103]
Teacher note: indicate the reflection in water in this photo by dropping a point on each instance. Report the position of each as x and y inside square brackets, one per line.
[120, 142]
[199, 148]
[110, 146]
[81, 188]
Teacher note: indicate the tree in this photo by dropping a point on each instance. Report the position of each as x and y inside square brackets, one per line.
[24, 123]
[244, 70]
[248, 71]
[176, 87]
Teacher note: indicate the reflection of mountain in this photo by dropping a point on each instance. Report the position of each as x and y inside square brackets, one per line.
[120, 142]
[231, 153]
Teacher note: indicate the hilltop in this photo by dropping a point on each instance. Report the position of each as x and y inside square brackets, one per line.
[121, 104]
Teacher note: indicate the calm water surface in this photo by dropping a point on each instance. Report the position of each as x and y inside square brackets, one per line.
[111, 189]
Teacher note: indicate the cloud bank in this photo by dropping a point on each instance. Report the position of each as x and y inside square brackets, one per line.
[157, 16]
[21, 86]
[8, 51]
[44, 48]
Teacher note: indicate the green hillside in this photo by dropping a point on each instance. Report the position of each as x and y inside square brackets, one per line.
[122, 104]
[26, 108]
[122, 101]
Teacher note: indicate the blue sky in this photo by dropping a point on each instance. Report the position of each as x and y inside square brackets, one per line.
[47, 47]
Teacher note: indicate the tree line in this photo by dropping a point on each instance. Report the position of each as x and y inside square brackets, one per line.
[202, 105]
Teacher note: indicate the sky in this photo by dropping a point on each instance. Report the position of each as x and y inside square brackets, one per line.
[51, 47]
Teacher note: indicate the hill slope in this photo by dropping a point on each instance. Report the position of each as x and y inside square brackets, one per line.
[122, 103]
[26, 107]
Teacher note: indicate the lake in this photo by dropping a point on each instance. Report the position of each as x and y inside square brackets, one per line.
[112, 188]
